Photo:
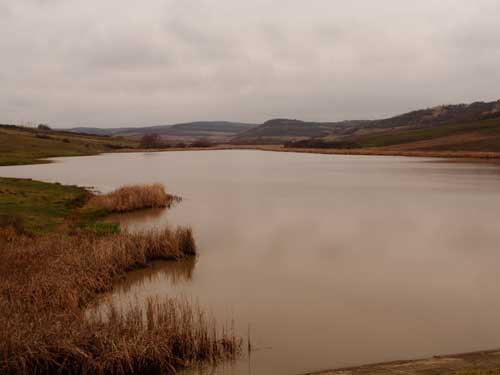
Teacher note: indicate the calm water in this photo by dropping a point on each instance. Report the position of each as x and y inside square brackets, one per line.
[331, 260]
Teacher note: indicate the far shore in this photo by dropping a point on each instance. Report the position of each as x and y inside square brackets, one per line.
[367, 152]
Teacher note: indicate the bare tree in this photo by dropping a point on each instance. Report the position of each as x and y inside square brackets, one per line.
[151, 141]
[43, 127]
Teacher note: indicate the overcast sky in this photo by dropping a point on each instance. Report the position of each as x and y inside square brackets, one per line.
[131, 62]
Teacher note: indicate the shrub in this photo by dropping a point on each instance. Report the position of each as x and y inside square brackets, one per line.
[43, 136]
[11, 223]
[151, 141]
[43, 127]
[322, 144]
[114, 146]
[202, 143]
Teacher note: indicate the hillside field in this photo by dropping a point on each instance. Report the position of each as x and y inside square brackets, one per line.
[19, 145]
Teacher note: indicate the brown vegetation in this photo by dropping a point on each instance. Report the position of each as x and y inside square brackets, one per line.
[46, 283]
[49, 281]
[133, 197]
[203, 143]
[151, 141]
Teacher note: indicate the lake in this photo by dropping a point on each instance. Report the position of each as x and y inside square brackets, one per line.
[329, 261]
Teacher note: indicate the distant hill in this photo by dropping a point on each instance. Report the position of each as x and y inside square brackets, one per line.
[97, 131]
[210, 126]
[464, 127]
[441, 115]
[454, 127]
[281, 130]
[218, 130]
[285, 130]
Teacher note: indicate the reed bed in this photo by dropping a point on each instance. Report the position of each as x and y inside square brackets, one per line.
[47, 282]
[133, 197]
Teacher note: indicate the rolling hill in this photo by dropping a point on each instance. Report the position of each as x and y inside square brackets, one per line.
[21, 145]
[462, 127]
[215, 130]
[472, 127]
[98, 131]
[282, 130]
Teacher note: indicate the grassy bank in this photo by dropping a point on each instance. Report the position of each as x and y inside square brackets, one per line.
[50, 274]
[480, 136]
[37, 207]
[19, 145]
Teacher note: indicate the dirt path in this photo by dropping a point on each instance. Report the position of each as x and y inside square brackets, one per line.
[485, 360]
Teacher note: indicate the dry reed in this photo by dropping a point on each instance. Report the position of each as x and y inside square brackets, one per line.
[48, 281]
[133, 197]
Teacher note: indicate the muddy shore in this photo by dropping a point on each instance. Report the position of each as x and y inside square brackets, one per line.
[449, 364]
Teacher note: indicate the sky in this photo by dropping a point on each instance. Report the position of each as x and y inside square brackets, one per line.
[110, 63]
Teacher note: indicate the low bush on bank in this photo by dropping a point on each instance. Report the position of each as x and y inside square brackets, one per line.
[202, 143]
[11, 222]
[133, 197]
[47, 282]
[315, 143]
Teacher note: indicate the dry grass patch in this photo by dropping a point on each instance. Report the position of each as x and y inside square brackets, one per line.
[46, 283]
[133, 197]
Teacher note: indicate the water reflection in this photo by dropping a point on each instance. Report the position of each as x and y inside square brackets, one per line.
[127, 293]
[181, 271]
[143, 219]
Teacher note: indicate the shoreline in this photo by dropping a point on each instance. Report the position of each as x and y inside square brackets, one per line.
[464, 364]
[475, 156]
[472, 155]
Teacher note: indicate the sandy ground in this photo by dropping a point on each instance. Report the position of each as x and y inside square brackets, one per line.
[486, 360]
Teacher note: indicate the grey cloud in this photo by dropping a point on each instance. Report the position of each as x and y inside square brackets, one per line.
[125, 52]
[192, 41]
[163, 61]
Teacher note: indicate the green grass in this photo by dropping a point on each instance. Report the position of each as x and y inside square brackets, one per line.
[38, 207]
[489, 128]
[103, 228]
[28, 146]
[94, 220]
